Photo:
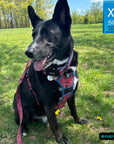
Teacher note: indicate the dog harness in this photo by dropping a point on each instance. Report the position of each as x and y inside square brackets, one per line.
[66, 82]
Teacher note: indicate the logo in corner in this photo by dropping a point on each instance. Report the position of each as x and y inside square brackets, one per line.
[108, 16]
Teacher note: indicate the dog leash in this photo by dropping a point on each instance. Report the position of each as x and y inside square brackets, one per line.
[19, 104]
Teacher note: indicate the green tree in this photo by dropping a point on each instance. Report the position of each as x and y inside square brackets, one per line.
[86, 20]
[13, 13]
[96, 10]
[74, 17]
[43, 8]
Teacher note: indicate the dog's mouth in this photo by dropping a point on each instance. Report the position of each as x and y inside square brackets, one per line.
[44, 62]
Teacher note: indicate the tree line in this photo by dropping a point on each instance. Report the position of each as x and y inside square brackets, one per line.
[13, 13]
[93, 15]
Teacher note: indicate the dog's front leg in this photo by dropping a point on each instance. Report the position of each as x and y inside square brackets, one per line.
[54, 126]
[73, 111]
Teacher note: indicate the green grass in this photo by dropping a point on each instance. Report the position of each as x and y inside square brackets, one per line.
[95, 95]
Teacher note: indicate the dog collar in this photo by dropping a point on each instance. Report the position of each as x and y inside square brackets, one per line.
[56, 72]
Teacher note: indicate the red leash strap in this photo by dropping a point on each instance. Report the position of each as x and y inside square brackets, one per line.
[32, 90]
[27, 67]
[19, 104]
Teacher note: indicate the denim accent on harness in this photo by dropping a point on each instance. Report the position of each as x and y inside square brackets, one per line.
[66, 66]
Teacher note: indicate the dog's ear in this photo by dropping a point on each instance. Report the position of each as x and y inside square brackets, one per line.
[62, 14]
[33, 17]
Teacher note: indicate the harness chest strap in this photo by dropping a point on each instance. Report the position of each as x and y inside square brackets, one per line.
[67, 85]
[67, 65]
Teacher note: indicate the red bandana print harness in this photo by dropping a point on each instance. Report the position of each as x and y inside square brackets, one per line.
[66, 84]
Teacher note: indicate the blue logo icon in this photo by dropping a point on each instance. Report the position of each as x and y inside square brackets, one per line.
[108, 16]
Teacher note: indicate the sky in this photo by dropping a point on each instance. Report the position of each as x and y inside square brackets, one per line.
[80, 5]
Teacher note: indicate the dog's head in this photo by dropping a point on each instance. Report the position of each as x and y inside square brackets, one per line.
[51, 39]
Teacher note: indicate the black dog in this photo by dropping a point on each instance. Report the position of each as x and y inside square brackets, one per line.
[50, 51]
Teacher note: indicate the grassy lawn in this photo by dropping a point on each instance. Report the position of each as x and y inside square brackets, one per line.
[95, 95]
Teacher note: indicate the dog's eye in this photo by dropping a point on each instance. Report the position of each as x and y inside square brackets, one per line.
[50, 37]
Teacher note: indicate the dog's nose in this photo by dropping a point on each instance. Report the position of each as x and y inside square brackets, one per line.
[29, 54]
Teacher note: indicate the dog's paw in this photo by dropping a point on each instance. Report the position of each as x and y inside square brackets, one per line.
[44, 119]
[82, 121]
[24, 132]
[64, 140]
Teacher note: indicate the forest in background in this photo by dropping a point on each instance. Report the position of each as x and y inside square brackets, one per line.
[94, 14]
[13, 13]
